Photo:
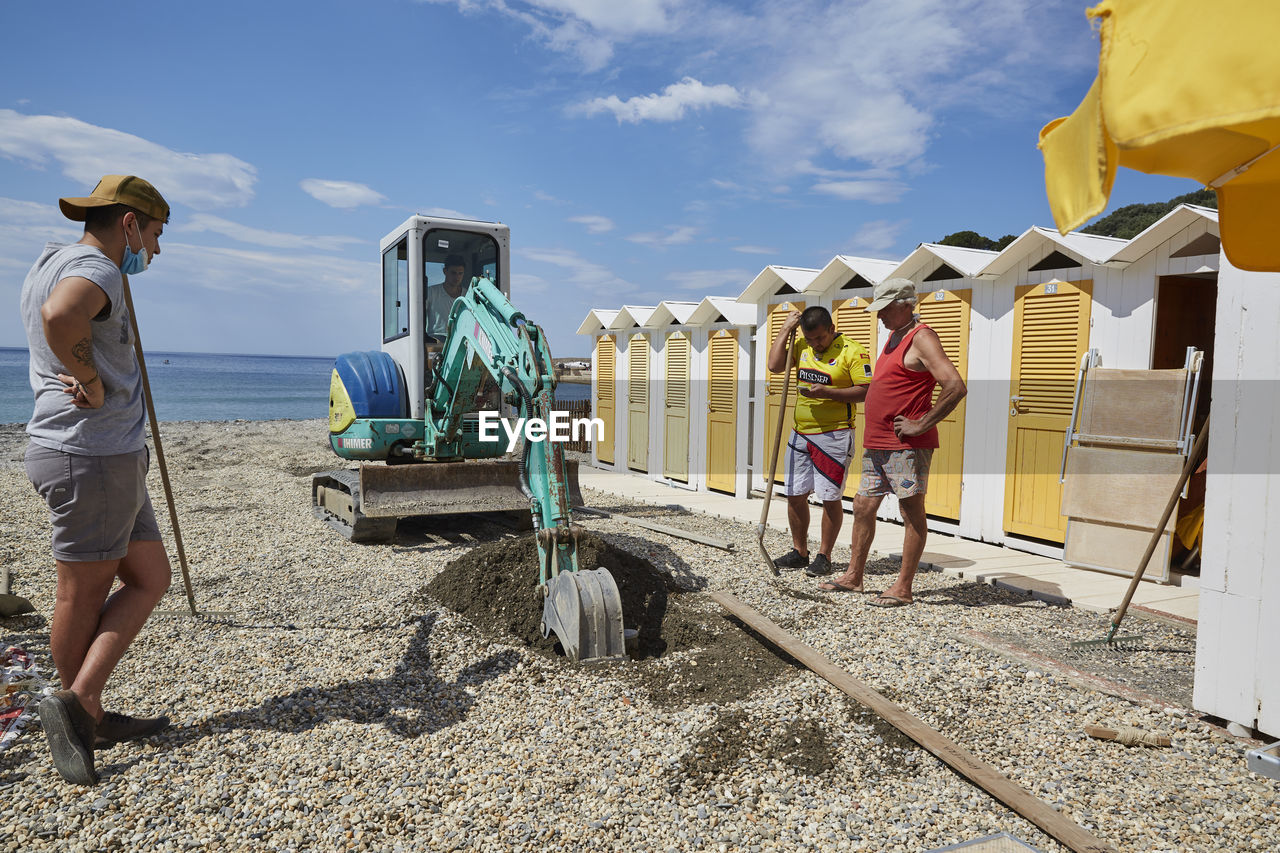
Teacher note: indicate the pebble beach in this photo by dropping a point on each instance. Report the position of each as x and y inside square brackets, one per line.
[329, 702]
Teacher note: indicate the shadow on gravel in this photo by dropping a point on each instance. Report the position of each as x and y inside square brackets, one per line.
[411, 702]
[975, 594]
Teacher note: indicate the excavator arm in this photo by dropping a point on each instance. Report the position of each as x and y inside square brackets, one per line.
[489, 339]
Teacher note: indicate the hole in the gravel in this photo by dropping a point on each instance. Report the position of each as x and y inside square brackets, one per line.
[687, 652]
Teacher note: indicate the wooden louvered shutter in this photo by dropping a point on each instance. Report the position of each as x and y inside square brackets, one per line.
[605, 395]
[722, 411]
[638, 403]
[1051, 334]
[638, 370]
[676, 417]
[604, 369]
[947, 313]
[677, 372]
[855, 322]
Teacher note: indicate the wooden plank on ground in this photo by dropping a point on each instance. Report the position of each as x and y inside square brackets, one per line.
[677, 532]
[954, 756]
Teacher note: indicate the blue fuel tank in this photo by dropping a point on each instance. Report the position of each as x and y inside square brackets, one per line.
[374, 384]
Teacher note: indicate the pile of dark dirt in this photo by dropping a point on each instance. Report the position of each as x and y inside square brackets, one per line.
[803, 745]
[495, 585]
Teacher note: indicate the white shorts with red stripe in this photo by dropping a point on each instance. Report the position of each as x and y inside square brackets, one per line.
[817, 463]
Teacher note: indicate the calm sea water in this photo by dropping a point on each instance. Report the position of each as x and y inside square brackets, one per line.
[210, 387]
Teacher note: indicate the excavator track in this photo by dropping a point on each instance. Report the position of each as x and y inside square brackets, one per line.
[335, 500]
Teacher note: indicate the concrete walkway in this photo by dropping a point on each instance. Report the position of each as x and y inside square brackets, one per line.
[1041, 577]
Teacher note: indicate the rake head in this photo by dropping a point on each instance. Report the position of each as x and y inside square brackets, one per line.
[1130, 643]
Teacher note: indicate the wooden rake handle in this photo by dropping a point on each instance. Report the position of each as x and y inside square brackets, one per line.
[1193, 459]
[773, 456]
[155, 438]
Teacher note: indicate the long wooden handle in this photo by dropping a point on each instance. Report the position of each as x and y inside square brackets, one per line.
[1192, 460]
[155, 438]
[777, 438]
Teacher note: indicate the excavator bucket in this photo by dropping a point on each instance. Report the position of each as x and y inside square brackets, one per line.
[363, 504]
[439, 488]
[584, 610]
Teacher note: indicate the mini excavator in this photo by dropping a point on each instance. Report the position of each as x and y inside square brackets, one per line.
[412, 415]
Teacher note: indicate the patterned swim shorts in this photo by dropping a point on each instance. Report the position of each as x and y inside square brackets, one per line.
[904, 473]
[817, 463]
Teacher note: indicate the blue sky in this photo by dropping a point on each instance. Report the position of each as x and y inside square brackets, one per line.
[639, 149]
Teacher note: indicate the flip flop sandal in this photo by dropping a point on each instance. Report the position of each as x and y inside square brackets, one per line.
[886, 600]
[832, 586]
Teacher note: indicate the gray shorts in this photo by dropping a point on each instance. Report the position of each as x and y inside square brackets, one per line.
[904, 473]
[98, 504]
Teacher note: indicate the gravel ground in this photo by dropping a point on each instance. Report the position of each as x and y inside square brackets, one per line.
[343, 706]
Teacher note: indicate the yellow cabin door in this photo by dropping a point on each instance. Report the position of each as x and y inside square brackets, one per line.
[638, 403]
[773, 395]
[947, 313]
[605, 391]
[722, 411]
[853, 321]
[1050, 334]
[676, 426]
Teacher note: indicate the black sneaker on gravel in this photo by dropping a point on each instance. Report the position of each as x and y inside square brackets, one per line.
[70, 731]
[793, 559]
[116, 728]
[820, 566]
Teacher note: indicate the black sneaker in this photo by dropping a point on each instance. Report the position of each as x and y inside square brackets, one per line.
[70, 731]
[820, 566]
[793, 559]
[116, 728]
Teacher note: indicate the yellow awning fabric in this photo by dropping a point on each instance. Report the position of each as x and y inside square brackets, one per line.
[1184, 88]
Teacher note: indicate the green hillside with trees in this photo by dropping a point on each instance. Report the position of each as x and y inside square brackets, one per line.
[1125, 222]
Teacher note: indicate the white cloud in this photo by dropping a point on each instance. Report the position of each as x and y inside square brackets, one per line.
[85, 152]
[670, 105]
[846, 80]
[522, 283]
[676, 235]
[581, 273]
[594, 224]
[585, 29]
[756, 250]
[340, 193]
[876, 192]
[253, 271]
[204, 276]
[876, 237]
[712, 281]
[261, 237]
[448, 213]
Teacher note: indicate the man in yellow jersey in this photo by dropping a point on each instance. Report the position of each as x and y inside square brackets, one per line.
[832, 373]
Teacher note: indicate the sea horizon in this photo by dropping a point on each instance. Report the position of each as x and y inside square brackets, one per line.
[196, 386]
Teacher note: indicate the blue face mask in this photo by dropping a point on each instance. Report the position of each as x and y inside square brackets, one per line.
[134, 262]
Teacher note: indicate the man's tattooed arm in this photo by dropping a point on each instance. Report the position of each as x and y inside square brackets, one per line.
[83, 352]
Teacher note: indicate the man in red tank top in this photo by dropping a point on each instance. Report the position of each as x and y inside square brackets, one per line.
[900, 436]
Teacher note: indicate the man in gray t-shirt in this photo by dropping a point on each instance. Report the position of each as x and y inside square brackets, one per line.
[440, 297]
[88, 460]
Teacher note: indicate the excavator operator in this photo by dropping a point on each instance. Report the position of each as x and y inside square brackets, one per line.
[439, 299]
